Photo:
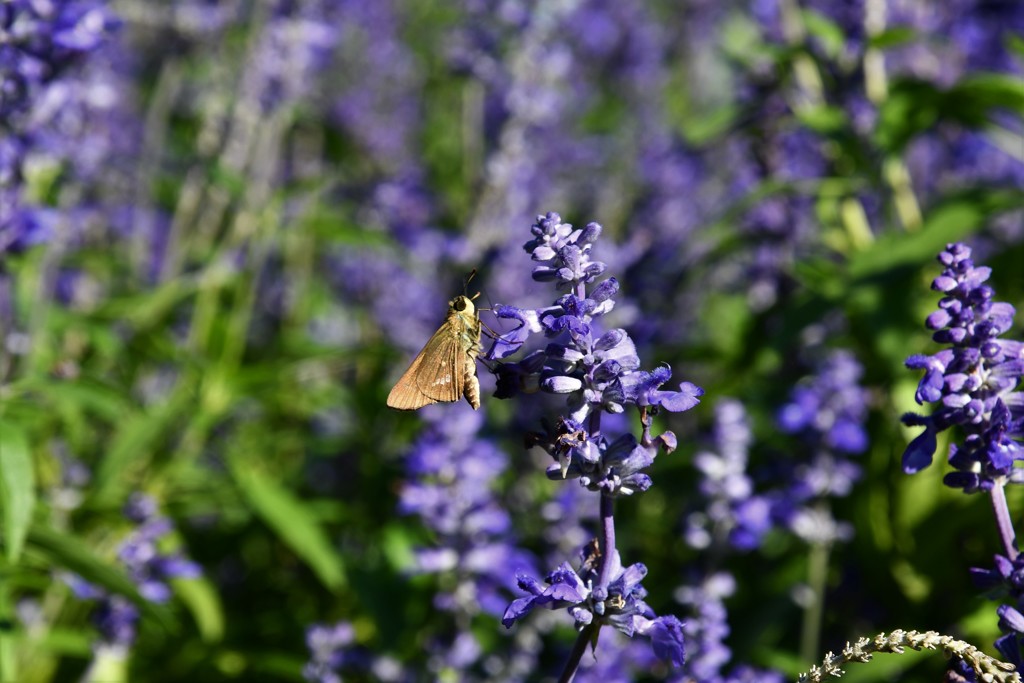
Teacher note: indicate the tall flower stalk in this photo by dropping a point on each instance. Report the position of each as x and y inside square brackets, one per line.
[598, 372]
[450, 486]
[730, 518]
[974, 384]
[827, 413]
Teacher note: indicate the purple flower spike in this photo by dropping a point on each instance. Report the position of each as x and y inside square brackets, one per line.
[598, 372]
[41, 45]
[974, 381]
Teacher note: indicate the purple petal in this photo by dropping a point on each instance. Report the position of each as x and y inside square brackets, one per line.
[920, 452]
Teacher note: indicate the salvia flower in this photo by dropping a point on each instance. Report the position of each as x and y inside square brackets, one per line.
[333, 651]
[598, 371]
[831, 408]
[613, 467]
[594, 370]
[621, 605]
[326, 645]
[451, 481]
[730, 516]
[564, 253]
[973, 381]
[149, 567]
[40, 40]
[1005, 582]
[731, 511]
[708, 627]
[294, 46]
[40, 43]
[827, 413]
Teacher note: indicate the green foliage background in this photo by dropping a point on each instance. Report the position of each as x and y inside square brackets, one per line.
[196, 392]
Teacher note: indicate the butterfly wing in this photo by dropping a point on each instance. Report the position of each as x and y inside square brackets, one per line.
[442, 377]
[433, 375]
[405, 395]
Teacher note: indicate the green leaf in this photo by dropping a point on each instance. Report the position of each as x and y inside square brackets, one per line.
[66, 641]
[709, 125]
[733, 322]
[204, 603]
[146, 310]
[828, 32]
[972, 98]
[134, 442]
[88, 395]
[17, 488]
[823, 119]
[946, 224]
[740, 39]
[227, 178]
[912, 107]
[892, 37]
[292, 520]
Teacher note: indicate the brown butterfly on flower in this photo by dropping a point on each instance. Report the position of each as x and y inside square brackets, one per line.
[445, 370]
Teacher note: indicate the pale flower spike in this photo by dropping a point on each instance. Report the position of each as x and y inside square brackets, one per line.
[988, 669]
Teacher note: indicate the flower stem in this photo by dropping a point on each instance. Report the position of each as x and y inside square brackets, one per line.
[578, 648]
[817, 573]
[1003, 522]
[607, 539]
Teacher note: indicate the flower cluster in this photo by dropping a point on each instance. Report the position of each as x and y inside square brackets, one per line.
[620, 605]
[973, 381]
[39, 42]
[147, 565]
[831, 408]
[595, 371]
[1006, 581]
[450, 487]
[707, 629]
[326, 651]
[708, 626]
[332, 649]
[598, 372]
[732, 512]
[731, 516]
[827, 413]
[295, 44]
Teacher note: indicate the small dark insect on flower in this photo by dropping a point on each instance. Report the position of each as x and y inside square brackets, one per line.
[445, 369]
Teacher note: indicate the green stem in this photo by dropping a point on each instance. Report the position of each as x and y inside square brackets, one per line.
[814, 610]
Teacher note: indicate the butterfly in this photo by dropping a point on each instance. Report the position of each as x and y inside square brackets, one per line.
[445, 370]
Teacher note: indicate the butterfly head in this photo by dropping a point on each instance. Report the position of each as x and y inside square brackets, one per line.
[462, 304]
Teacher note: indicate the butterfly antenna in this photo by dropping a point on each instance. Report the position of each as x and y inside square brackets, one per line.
[465, 284]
